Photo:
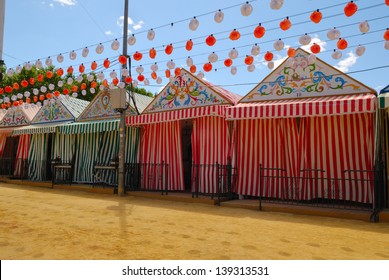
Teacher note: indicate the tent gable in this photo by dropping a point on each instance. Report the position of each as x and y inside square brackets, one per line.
[385, 89]
[186, 91]
[99, 108]
[53, 111]
[19, 116]
[300, 78]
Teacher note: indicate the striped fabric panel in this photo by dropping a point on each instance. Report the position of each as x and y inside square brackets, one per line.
[336, 144]
[3, 139]
[89, 127]
[108, 149]
[132, 144]
[162, 143]
[21, 154]
[63, 146]
[37, 157]
[210, 145]
[35, 129]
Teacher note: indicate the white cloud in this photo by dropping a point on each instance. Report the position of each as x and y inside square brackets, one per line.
[345, 64]
[51, 5]
[317, 40]
[135, 26]
[66, 2]
[108, 32]
[138, 25]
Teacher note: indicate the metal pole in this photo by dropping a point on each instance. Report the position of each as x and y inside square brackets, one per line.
[122, 125]
[2, 19]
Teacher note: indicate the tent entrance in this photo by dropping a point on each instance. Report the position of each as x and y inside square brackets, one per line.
[49, 157]
[186, 132]
[8, 157]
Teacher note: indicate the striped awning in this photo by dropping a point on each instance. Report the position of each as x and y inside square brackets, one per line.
[89, 127]
[383, 100]
[38, 128]
[173, 115]
[308, 107]
[6, 131]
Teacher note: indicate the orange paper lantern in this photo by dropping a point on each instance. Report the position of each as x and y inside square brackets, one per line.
[81, 68]
[152, 53]
[122, 59]
[83, 86]
[41, 97]
[154, 75]
[234, 35]
[285, 24]
[16, 86]
[128, 80]
[387, 2]
[291, 52]
[8, 89]
[350, 9]
[115, 81]
[31, 81]
[228, 62]
[141, 78]
[106, 63]
[65, 91]
[268, 56]
[249, 60]
[93, 84]
[105, 83]
[259, 31]
[169, 49]
[20, 102]
[189, 45]
[93, 65]
[49, 95]
[35, 99]
[193, 69]
[167, 73]
[74, 88]
[342, 44]
[177, 71]
[40, 78]
[207, 67]
[24, 83]
[70, 70]
[49, 74]
[210, 40]
[316, 16]
[16, 103]
[386, 34]
[57, 93]
[60, 72]
[28, 100]
[138, 56]
[315, 48]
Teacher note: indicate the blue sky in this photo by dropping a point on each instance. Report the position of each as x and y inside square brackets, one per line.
[41, 28]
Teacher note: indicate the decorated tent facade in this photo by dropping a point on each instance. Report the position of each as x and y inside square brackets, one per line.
[94, 139]
[43, 133]
[306, 132]
[184, 125]
[14, 150]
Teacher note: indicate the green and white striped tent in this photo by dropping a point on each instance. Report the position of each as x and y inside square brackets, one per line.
[45, 142]
[383, 98]
[96, 134]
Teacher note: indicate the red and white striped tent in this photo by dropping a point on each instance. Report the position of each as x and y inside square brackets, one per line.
[186, 99]
[306, 115]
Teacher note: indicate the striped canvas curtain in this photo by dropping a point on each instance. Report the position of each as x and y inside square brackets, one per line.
[22, 155]
[210, 145]
[162, 143]
[63, 146]
[107, 150]
[268, 142]
[132, 144]
[3, 138]
[37, 157]
[336, 144]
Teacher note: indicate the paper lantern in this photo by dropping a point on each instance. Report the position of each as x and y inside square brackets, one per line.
[99, 49]
[131, 40]
[59, 72]
[189, 61]
[360, 50]
[106, 63]
[59, 58]
[167, 73]
[93, 65]
[234, 35]
[115, 45]
[10, 72]
[193, 24]
[248, 60]
[255, 50]
[333, 34]
[315, 48]
[270, 65]
[146, 82]
[268, 56]
[386, 45]
[316, 16]
[259, 31]
[113, 74]
[154, 67]
[139, 69]
[278, 45]
[154, 75]
[189, 45]
[213, 57]
[251, 68]
[49, 74]
[152, 53]
[386, 34]
[159, 80]
[49, 61]
[285, 24]
[141, 78]
[83, 86]
[170, 64]
[276, 4]
[228, 62]
[193, 69]
[24, 83]
[15, 86]
[128, 80]
[233, 53]
[137, 56]
[246, 9]
[210, 40]
[28, 66]
[72, 55]
[291, 52]
[40, 77]
[219, 16]
[122, 59]
[31, 81]
[305, 39]
[234, 70]
[85, 52]
[38, 64]
[207, 67]
[342, 44]
[18, 69]
[336, 54]
[69, 80]
[169, 49]
[115, 81]
[177, 71]
[200, 75]
[387, 2]
[151, 34]
[81, 68]
[364, 27]
[16, 103]
[350, 9]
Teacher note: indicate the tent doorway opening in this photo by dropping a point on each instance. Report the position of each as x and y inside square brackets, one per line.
[49, 157]
[186, 132]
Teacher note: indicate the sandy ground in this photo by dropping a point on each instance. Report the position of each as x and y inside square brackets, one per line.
[39, 223]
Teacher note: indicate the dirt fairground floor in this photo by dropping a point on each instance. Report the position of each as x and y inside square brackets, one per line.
[39, 223]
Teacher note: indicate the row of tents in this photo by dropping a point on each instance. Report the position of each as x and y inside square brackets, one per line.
[307, 132]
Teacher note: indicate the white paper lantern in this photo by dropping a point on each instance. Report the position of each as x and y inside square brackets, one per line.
[45, 102]
[38, 104]
[72, 55]
[251, 68]
[69, 81]
[38, 64]
[43, 89]
[111, 86]
[19, 96]
[193, 24]
[151, 34]
[147, 82]
[90, 77]
[131, 40]
[270, 64]
[311, 58]
[255, 50]
[83, 92]
[74, 94]
[35, 91]
[200, 75]
[276, 4]
[49, 61]
[360, 50]
[386, 45]
[213, 57]
[135, 83]
[10, 72]
[27, 94]
[336, 54]
[124, 72]
[101, 87]
[60, 83]
[333, 34]
[27, 66]
[51, 87]
[159, 80]
[85, 52]
[189, 61]
[364, 26]
[234, 70]
[233, 53]
[113, 74]
[154, 67]
[6, 99]
[92, 90]
[121, 85]
[99, 48]
[246, 9]
[59, 58]
[219, 16]
[139, 69]
[278, 45]
[18, 69]
[115, 45]
[100, 76]
[305, 39]
[170, 64]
